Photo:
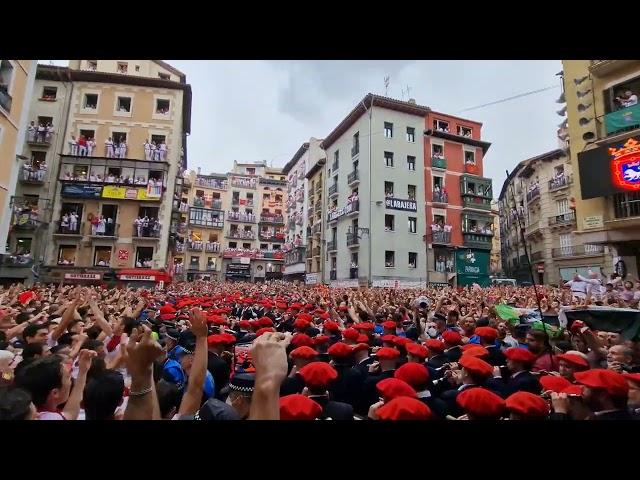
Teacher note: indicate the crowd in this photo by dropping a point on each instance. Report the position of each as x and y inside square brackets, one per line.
[41, 133]
[218, 351]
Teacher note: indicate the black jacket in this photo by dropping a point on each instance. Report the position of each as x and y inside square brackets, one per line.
[219, 370]
[453, 354]
[496, 357]
[292, 385]
[522, 382]
[370, 394]
[437, 360]
[332, 409]
[363, 367]
[449, 397]
[347, 387]
[437, 406]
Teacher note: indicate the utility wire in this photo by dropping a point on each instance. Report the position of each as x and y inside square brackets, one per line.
[532, 92]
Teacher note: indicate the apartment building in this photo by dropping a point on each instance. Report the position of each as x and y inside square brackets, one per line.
[375, 194]
[17, 79]
[603, 128]
[315, 232]
[122, 146]
[495, 267]
[458, 198]
[539, 192]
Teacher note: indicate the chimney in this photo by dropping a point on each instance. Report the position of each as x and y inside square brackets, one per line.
[412, 100]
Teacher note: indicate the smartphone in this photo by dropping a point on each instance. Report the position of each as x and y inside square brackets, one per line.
[242, 358]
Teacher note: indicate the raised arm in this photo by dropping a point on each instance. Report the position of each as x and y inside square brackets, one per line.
[195, 386]
[72, 407]
[99, 318]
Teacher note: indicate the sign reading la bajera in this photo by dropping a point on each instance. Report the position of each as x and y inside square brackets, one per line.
[398, 204]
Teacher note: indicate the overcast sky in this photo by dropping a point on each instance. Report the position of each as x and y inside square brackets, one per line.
[264, 110]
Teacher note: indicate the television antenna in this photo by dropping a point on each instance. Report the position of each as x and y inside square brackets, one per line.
[386, 85]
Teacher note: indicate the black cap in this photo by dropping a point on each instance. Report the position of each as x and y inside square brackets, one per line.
[173, 334]
[242, 382]
[214, 409]
[482, 322]
[187, 340]
[439, 316]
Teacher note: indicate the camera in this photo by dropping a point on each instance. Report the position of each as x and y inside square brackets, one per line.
[422, 302]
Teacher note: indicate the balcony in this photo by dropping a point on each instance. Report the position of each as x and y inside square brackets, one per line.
[214, 183]
[333, 190]
[211, 247]
[28, 214]
[353, 240]
[317, 228]
[537, 256]
[244, 182]
[626, 205]
[353, 272]
[441, 237]
[477, 240]
[623, 120]
[471, 168]
[295, 256]
[270, 255]
[199, 202]
[236, 202]
[241, 217]
[142, 233]
[271, 218]
[108, 231]
[333, 274]
[470, 200]
[32, 175]
[353, 178]
[269, 236]
[533, 194]
[195, 246]
[560, 182]
[39, 139]
[5, 100]
[440, 197]
[602, 68]
[17, 261]
[241, 235]
[578, 251]
[533, 228]
[66, 230]
[180, 247]
[564, 219]
[332, 246]
[439, 162]
[205, 218]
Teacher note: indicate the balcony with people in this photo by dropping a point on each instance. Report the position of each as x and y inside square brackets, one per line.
[28, 214]
[204, 217]
[622, 111]
[476, 192]
[237, 234]
[233, 216]
[207, 201]
[563, 219]
[101, 226]
[477, 231]
[42, 133]
[533, 192]
[437, 157]
[211, 182]
[353, 271]
[560, 180]
[245, 182]
[33, 172]
[274, 218]
[295, 256]
[439, 192]
[145, 227]
[440, 231]
[272, 234]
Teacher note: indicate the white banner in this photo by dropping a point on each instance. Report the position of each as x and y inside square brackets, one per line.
[142, 278]
[82, 276]
[344, 284]
[311, 278]
[398, 284]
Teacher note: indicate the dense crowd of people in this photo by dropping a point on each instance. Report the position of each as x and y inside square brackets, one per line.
[233, 351]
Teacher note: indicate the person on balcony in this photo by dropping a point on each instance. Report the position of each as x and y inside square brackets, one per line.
[152, 151]
[147, 150]
[42, 132]
[162, 149]
[48, 132]
[73, 146]
[82, 146]
[109, 148]
[32, 132]
[64, 224]
[91, 146]
[109, 228]
[102, 226]
[628, 100]
[123, 148]
[73, 222]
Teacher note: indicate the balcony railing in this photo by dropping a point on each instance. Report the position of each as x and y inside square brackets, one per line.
[180, 248]
[440, 197]
[441, 237]
[333, 274]
[195, 246]
[439, 162]
[317, 228]
[297, 255]
[108, 230]
[67, 229]
[211, 247]
[150, 231]
[480, 241]
[5, 100]
[272, 237]
[244, 182]
[40, 138]
[18, 261]
[471, 168]
[626, 205]
[560, 182]
[33, 175]
[332, 246]
[333, 190]
[353, 177]
[578, 251]
[533, 194]
[236, 202]
[270, 218]
[568, 218]
[353, 272]
[205, 218]
[241, 217]
[241, 234]
[470, 200]
[200, 202]
[214, 183]
[352, 240]
[622, 120]
[537, 256]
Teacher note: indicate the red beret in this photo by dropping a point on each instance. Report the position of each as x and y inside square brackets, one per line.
[404, 408]
[388, 338]
[390, 388]
[320, 340]
[435, 345]
[217, 320]
[368, 326]
[360, 347]
[527, 404]
[308, 306]
[318, 374]
[387, 353]
[218, 339]
[480, 402]
[415, 374]
[486, 333]
[167, 316]
[401, 341]
[521, 355]
[417, 350]
[476, 366]
[474, 350]
[343, 308]
[304, 316]
[301, 339]
[451, 337]
[295, 306]
[244, 324]
[281, 306]
[265, 330]
[632, 377]
[298, 407]
[611, 382]
[554, 383]
[301, 323]
[331, 326]
[351, 334]
[265, 322]
[574, 359]
[304, 352]
[228, 338]
[362, 338]
[324, 315]
[167, 308]
[573, 390]
[389, 325]
[340, 350]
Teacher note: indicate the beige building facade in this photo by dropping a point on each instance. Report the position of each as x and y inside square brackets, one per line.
[315, 234]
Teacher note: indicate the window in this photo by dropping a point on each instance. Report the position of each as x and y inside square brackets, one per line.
[246, 246]
[6, 77]
[38, 158]
[195, 263]
[469, 157]
[49, 93]
[263, 246]
[388, 130]
[119, 137]
[92, 65]
[413, 260]
[336, 160]
[437, 151]
[411, 134]
[90, 101]
[388, 189]
[441, 125]
[144, 256]
[67, 255]
[23, 246]
[123, 67]
[356, 144]
[443, 259]
[211, 263]
[389, 258]
[87, 134]
[563, 206]
[411, 163]
[389, 223]
[413, 223]
[251, 171]
[45, 120]
[388, 159]
[233, 244]
[411, 192]
[124, 104]
[137, 68]
[162, 106]
[354, 260]
[102, 257]
[464, 131]
[164, 76]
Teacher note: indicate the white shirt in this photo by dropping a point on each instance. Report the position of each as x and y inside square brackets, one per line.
[631, 101]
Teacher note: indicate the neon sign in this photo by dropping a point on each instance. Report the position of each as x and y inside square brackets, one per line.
[625, 167]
